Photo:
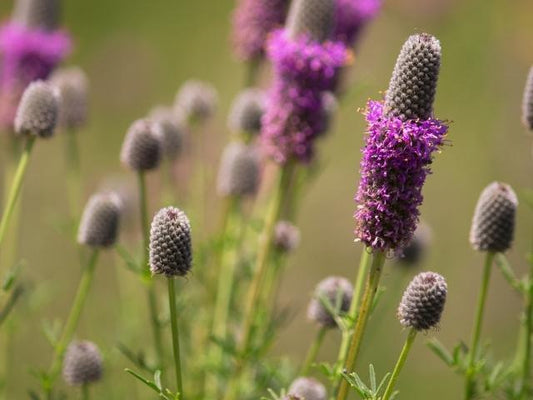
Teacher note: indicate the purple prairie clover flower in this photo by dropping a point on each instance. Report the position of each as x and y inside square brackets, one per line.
[396, 160]
[253, 20]
[351, 16]
[303, 70]
[26, 54]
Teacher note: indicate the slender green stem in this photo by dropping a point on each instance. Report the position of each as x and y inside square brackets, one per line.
[175, 335]
[72, 157]
[476, 333]
[313, 351]
[367, 299]
[10, 304]
[525, 387]
[145, 225]
[254, 292]
[16, 186]
[399, 364]
[72, 322]
[85, 392]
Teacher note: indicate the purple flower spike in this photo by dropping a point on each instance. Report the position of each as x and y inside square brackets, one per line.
[395, 163]
[303, 70]
[26, 55]
[253, 20]
[351, 16]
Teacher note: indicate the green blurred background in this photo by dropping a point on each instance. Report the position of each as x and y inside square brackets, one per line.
[137, 53]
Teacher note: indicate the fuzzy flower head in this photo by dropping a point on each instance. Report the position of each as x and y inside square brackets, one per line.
[100, 220]
[73, 87]
[527, 102]
[170, 243]
[336, 291]
[253, 20]
[198, 100]
[246, 111]
[39, 14]
[82, 364]
[423, 301]
[142, 146]
[413, 253]
[311, 18]
[304, 388]
[38, 110]
[239, 170]
[286, 236]
[304, 70]
[351, 16]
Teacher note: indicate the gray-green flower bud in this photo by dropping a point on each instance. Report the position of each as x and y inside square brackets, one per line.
[142, 146]
[82, 364]
[100, 221]
[38, 110]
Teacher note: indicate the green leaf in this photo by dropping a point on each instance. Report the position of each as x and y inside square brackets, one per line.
[11, 276]
[382, 383]
[157, 380]
[147, 382]
[441, 351]
[372, 375]
[129, 260]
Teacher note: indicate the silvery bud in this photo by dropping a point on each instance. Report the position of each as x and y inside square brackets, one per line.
[197, 99]
[239, 170]
[286, 236]
[336, 291]
[172, 130]
[246, 111]
[82, 364]
[141, 149]
[312, 17]
[73, 87]
[43, 14]
[304, 388]
[38, 110]
[100, 220]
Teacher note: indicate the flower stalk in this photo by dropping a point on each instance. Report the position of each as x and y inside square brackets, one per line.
[313, 351]
[400, 363]
[175, 335]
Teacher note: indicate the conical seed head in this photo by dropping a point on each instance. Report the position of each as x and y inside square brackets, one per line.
[238, 174]
[170, 243]
[82, 364]
[246, 111]
[337, 291]
[42, 14]
[172, 128]
[312, 17]
[100, 220]
[73, 87]
[423, 301]
[197, 99]
[307, 389]
[142, 146]
[494, 218]
[38, 110]
[286, 236]
[527, 102]
[414, 80]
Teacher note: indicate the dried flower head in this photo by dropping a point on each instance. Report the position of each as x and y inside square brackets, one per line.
[239, 170]
[170, 243]
[197, 99]
[527, 102]
[314, 18]
[73, 87]
[42, 14]
[494, 218]
[246, 111]
[286, 236]
[414, 80]
[100, 220]
[351, 16]
[413, 252]
[304, 388]
[253, 20]
[82, 364]
[337, 291]
[423, 301]
[142, 146]
[38, 110]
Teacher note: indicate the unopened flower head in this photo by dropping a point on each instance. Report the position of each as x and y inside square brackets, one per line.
[494, 218]
[170, 243]
[304, 388]
[312, 18]
[398, 152]
[42, 14]
[286, 236]
[351, 16]
[239, 170]
[142, 146]
[197, 99]
[329, 108]
[73, 88]
[38, 110]
[246, 111]
[253, 20]
[337, 292]
[172, 131]
[414, 80]
[100, 220]
[527, 102]
[423, 301]
[414, 251]
[82, 364]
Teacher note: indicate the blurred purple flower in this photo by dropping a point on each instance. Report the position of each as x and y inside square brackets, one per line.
[395, 163]
[253, 20]
[351, 16]
[303, 70]
[26, 55]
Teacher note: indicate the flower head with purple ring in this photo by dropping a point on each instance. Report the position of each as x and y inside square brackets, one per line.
[351, 16]
[396, 160]
[303, 70]
[26, 55]
[253, 20]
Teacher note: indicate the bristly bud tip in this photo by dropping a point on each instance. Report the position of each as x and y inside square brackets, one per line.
[38, 110]
[100, 221]
[337, 291]
[82, 364]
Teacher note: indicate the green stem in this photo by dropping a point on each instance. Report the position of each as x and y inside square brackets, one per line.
[399, 364]
[476, 334]
[151, 293]
[72, 157]
[525, 387]
[10, 304]
[367, 300]
[73, 318]
[16, 186]
[313, 351]
[254, 292]
[175, 335]
[85, 392]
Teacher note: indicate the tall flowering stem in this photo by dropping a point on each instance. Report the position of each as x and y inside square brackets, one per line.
[175, 334]
[400, 363]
